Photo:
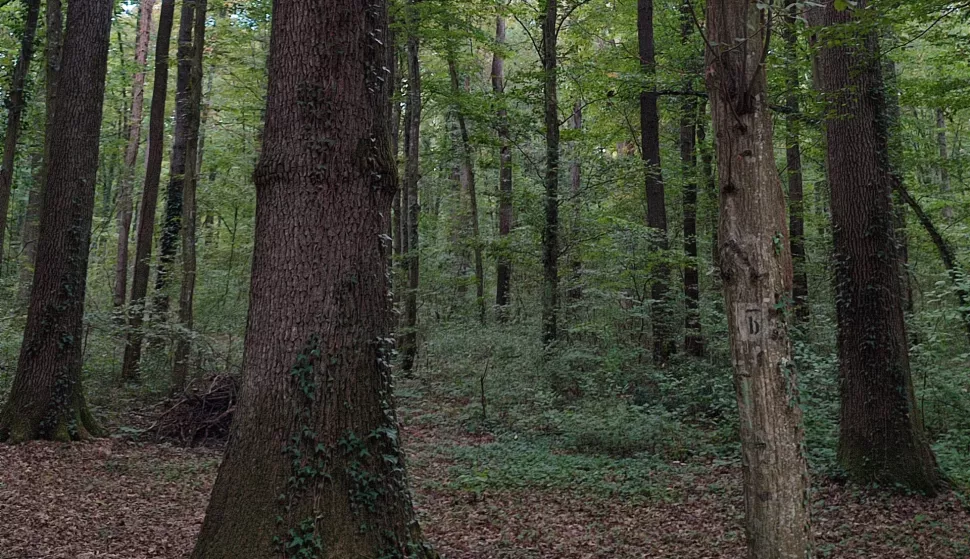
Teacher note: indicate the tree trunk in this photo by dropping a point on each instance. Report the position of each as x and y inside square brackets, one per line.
[183, 348]
[793, 155]
[756, 268]
[338, 489]
[15, 102]
[47, 401]
[663, 345]
[710, 189]
[881, 436]
[468, 179]
[412, 175]
[171, 228]
[693, 337]
[131, 151]
[550, 231]
[575, 292]
[503, 264]
[944, 160]
[149, 199]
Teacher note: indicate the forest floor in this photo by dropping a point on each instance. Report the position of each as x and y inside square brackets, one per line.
[480, 496]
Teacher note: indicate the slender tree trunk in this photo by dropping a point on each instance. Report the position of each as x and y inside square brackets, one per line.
[710, 190]
[52, 54]
[47, 401]
[149, 200]
[338, 489]
[575, 188]
[663, 345]
[693, 337]
[183, 348]
[15, 102]
[412, 175]
[171, 227]
[881, 435]
[793, 155]
[131, 151]
[756, 268]
[550, 230]
[503, 265]
[468, 180]
[944, 159]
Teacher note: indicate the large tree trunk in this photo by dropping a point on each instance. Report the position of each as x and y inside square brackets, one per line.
[550, 230]
[338, 489]
[412, 175]
[15, 101]
[149, 198]
[172, 225]
[793, 156]
[881, 436]
[52, 53]
[663, 344]
[183, 348]
[131, 151]
[756, 268]
[468, 181]
[47, 400]
[503, 264]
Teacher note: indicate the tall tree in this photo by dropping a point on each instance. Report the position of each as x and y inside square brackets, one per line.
[412, 176]
[468, 182]
[503, 265]
[793, 156]
[942, 167]
[549, 56]
[149, 197]
[15, 102]
[131, 151]
[324, 183]
[663, 345]
[172, 225]
[689, 113]
[47, 400]
[575, 189]
[881, 435]
[193, 156]
[52, 53]
[756, 268]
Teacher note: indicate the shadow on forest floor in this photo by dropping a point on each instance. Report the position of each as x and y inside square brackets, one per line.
[480, 495]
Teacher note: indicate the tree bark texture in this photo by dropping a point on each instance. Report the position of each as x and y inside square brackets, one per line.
[793, 157]
[881, 436]
[503, 265]
[131, 150]
[756, 269]
[317, 376]
[47, 401]
[412, 176]
[15, 102]
[149, 199]
[693, 336]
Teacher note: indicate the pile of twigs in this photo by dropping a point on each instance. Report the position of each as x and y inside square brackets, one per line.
[202, 415]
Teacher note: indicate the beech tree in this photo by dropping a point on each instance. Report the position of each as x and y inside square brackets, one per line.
[47, 400]
[881, 435]
[324, 183]
[756, 268]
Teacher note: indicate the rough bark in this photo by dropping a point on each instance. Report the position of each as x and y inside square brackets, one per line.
[172, 225]
[663, 344]
[468, 181]
[317, 377]
[550, 230]
[412, 176]
[46, 400]
[881, 436]
[756, 269]
[149, 199]
[15, 102]
[793, 157]
[131, 150]
[183, 347]
[503, 264]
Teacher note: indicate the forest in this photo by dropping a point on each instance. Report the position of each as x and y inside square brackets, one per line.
[484, 279]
